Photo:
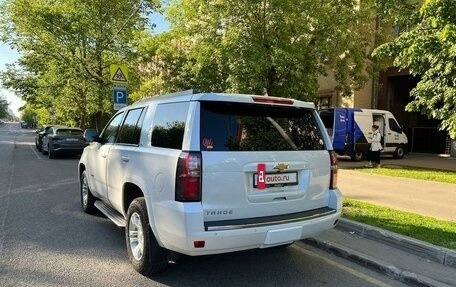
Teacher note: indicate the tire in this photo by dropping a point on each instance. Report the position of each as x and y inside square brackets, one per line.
[357, 156]
[146, 256]
[51, 152]
[43, 151]
[87, 199]
[399, 152]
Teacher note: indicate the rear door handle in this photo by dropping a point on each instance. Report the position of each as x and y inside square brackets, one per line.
[125, 158]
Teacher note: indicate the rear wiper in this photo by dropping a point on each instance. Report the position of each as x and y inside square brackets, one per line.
[282, 133]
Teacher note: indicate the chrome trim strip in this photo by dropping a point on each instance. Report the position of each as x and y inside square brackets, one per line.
[253, 225]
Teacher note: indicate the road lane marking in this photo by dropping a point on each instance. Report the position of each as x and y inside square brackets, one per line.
[34, 151]
[340, 266]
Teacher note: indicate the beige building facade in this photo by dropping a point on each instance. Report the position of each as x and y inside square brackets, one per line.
[329, 97]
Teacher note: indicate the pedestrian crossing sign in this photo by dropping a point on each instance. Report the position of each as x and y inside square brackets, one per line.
[118, 73]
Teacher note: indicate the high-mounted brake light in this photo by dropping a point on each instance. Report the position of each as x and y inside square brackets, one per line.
[333, 178]
[272, 100]
[188, 177]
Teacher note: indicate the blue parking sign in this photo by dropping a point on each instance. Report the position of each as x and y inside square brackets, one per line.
[119, 97]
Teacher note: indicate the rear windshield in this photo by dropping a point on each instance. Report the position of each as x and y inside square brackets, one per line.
[69, 132]
[246, 127]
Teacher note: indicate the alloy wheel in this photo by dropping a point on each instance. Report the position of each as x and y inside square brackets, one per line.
[136, 236]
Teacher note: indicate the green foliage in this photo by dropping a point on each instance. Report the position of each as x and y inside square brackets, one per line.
[438, 232]
[67, 47]
[29, 116]
[428, 174]
[255, 46]
[3, 108]
[428, 50]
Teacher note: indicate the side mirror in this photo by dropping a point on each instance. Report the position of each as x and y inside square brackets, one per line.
[99, 140]
[91, 135]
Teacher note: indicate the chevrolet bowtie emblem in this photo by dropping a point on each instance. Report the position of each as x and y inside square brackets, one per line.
[281, 167]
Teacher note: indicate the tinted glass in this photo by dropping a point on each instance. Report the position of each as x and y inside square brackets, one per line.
[131, 128]
[169, 125]
[394, 126]
[89, 134]
[110, 132]
[244, 127]
[69, 132]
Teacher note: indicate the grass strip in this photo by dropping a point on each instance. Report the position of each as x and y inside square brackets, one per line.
[412, 172]
[425, 228]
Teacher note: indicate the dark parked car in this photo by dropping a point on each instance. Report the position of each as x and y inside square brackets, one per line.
[40, 133]
[24, 125]
[63, 140]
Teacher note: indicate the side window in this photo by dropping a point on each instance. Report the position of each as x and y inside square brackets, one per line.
[169, 125]
[131, 128]
[394, 126]
[109, 133]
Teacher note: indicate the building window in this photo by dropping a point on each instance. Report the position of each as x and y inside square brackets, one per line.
[326, 99]
[324, 103]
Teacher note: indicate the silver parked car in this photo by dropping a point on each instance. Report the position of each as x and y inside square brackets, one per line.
[63, 140]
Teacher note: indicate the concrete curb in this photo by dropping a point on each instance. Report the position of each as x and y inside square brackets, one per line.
[426, 250]
[405, 276]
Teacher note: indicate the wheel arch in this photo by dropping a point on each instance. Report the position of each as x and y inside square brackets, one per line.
[81, 169]
[130, 192]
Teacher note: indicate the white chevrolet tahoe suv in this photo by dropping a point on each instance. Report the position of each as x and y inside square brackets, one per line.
[206, 173]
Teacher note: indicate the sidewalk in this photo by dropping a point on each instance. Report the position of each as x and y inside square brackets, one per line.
[405, 259]
[425, 160]
[429, 198]
[418, 196]
[408, 260]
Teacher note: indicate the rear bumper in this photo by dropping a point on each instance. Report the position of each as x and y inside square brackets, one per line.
[182, 224]
[59, 149]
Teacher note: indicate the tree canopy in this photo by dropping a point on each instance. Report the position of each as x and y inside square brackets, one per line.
[428, 50]
[67, 47]
[3, 107]
[278, 47]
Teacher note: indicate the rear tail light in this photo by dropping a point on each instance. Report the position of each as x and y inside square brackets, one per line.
[333, 178]
[199, 244]
[188, 177]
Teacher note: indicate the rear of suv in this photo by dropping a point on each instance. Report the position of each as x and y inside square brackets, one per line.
[206, 173]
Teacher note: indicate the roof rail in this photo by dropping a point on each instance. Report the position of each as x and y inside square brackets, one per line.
[180, 93]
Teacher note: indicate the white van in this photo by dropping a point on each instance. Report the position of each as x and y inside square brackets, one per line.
[205, 173]
[350, 130]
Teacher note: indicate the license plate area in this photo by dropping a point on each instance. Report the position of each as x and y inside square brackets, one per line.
[277, 179]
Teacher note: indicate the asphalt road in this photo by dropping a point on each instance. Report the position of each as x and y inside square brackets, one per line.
[46, 240]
